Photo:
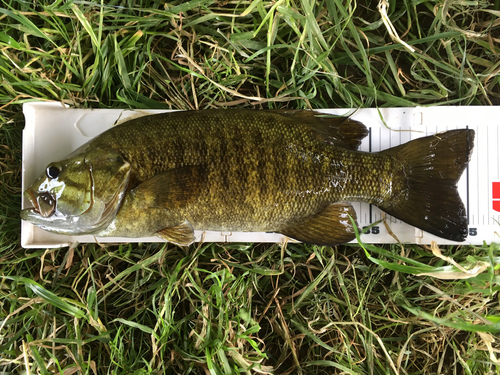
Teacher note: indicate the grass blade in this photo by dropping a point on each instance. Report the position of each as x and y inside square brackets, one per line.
[50, 297]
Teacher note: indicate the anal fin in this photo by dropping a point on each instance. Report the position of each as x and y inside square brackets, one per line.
[182, 234]
[329, 227]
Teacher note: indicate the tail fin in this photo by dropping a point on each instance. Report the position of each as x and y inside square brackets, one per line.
[432, 167]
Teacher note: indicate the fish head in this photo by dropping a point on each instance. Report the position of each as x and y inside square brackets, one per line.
[79, 195]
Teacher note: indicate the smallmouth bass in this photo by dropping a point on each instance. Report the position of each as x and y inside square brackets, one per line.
[290, 172]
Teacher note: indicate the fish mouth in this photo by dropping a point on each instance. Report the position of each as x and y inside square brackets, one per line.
[44, 203]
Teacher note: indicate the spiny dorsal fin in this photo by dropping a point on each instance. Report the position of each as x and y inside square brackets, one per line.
[182, 235]
[329, 227]
[340, 131]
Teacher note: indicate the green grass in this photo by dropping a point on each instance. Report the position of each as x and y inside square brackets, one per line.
[242, 308]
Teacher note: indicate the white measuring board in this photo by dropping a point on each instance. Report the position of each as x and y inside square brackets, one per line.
[52, 131]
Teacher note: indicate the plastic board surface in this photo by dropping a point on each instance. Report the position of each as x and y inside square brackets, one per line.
[479, 186]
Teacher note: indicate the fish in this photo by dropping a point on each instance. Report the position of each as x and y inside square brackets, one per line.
[293, 172]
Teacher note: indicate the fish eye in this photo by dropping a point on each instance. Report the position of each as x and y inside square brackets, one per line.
[52, 171]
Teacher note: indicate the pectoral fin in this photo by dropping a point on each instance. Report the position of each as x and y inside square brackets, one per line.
[182, 235]
[329, 227]
[174, 188]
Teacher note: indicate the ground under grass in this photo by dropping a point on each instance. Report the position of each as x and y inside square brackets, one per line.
[243, 308]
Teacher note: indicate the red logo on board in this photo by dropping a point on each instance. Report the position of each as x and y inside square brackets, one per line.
[496, 196]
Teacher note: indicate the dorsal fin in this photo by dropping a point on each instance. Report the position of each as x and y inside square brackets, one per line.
[339, 131]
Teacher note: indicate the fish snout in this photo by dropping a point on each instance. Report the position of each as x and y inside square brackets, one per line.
[44, 204]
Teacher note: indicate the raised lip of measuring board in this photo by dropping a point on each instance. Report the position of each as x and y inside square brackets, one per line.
[40, 118]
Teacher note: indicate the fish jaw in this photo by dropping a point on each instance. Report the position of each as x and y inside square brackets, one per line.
[53, 223]
[29, 214]
[31, 195]
[45, 215]
[44, 203]
[41, 216]
[56, 222]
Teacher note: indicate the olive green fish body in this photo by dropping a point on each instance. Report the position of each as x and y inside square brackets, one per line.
[259, 172]
[275, 171]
